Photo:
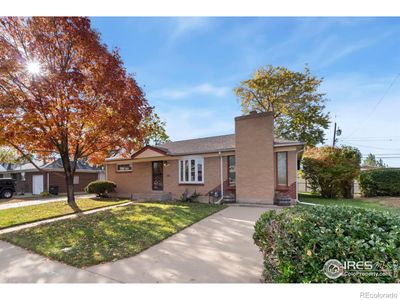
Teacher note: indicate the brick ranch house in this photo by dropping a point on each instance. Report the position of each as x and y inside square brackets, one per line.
[250, 166]
[29, 180]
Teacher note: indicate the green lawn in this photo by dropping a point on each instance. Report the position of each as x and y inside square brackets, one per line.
[112, 234]
[26, 214]
[372, 203]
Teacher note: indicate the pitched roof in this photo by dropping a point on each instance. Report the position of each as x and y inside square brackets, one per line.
[211, 144]
[57, 164]
[282, 142]
[201, 145]
[4, 167]
[54, 165]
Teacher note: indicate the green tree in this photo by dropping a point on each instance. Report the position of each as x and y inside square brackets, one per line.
[293, 97]
[8, 155]
[371, 162]
[156, 130]
[331, 170]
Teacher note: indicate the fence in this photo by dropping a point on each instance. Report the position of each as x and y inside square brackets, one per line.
[304, 188]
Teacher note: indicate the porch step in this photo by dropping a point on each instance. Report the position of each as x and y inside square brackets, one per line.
[229, 199]
[152, 196]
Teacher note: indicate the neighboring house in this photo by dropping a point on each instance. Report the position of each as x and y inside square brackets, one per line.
[29, 180]
[250, 166]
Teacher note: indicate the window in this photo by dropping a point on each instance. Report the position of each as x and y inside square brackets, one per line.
[124, 167]
[281, 162]
[231, 170]
[191, 170]
[76, 179]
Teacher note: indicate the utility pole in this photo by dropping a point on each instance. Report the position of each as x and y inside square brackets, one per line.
[334, 136]
[336, 132]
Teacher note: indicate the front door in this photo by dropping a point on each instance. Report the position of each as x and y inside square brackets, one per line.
[37, 184]
[157, 174]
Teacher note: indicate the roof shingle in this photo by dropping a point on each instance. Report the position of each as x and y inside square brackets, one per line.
[210, 144]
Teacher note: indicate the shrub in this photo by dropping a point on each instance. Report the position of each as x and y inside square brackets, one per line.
[298, 241]
[331, 171]
[192, 198]
[380, 182]
[101, 187]
[44, 194]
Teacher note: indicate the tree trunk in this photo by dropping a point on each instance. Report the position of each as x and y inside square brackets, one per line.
[70, 188]
[69, 179]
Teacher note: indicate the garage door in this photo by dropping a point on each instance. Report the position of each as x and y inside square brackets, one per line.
[37, 184]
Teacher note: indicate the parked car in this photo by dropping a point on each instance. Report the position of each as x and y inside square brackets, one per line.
[7, 188]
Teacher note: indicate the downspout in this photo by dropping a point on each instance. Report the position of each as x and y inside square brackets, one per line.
[220, 200]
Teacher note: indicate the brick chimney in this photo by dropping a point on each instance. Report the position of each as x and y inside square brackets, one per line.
[255, 179]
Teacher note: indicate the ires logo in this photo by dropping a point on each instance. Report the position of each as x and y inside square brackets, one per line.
[334, 268]
[359, 265]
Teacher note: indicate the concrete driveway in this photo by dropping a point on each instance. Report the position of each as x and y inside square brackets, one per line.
[218, 249]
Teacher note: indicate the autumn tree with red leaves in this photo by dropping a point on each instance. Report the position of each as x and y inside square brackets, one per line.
[63, 93]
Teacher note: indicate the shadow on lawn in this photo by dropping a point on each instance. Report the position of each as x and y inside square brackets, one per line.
[109, 235]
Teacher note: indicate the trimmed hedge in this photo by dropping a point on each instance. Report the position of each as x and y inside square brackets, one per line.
[297, 242]
[380, 182]
[101, 187]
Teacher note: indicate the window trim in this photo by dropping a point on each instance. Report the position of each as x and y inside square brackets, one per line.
[230, 185]
[282, 186]
[189, 159]
[123, 171]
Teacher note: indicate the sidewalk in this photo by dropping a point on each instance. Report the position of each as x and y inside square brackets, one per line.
[17, 265]
[40, 201]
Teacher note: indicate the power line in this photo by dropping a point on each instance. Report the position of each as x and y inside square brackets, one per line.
[375, 106]
[371, 147]
[373, 139]
[377, 137]
[381, 154]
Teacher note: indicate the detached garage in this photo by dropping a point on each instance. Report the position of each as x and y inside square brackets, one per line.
[29, 180]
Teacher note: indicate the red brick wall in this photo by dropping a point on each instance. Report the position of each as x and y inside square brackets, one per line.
[55, 178]
[58, 179]
[290, 192]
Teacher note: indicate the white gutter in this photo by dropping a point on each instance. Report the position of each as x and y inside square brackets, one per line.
[222, 179]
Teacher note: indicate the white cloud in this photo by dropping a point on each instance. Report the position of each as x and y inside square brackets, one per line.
[332, 50]
[187, 25]
[201, 89]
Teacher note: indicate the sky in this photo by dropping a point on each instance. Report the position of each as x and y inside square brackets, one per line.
[188, 68]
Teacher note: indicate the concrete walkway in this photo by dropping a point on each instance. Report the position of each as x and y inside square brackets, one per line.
[218, 249]
[20, 266]
[40, 201]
